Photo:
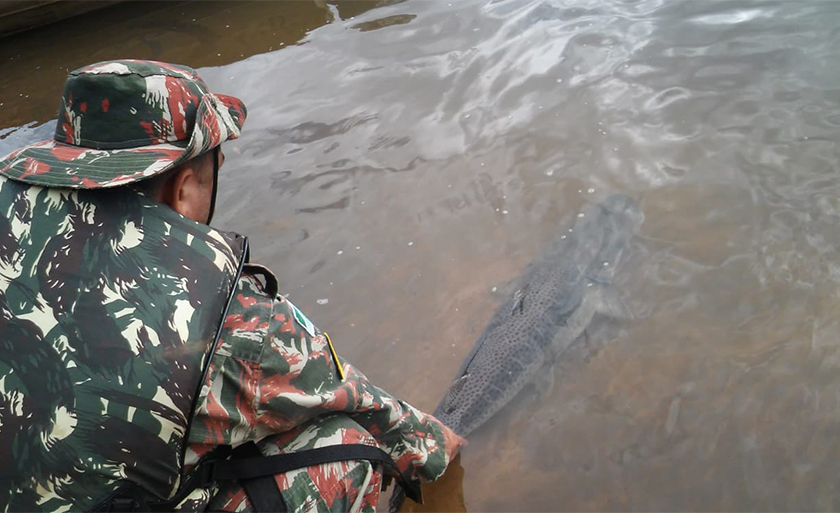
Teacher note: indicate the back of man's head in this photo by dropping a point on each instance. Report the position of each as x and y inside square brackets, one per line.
[129, 121]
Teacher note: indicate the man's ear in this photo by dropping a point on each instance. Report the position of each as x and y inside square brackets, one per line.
[182, 192]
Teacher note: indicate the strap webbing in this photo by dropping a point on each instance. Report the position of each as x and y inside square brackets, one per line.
[216, 151]
[249, 468]
[255, 473]
[262, 491]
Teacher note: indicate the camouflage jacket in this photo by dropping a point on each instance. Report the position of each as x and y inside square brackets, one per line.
[273, 378]
[109, 306]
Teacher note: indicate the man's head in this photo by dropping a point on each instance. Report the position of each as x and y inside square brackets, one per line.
[126, 122]
[189, 188]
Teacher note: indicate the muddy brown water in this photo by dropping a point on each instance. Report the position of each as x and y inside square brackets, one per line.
[403, 159]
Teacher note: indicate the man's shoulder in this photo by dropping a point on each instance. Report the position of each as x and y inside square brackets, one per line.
[249, 314]
[258, 310]
[259, 280]
[256, 306]
[258, 290]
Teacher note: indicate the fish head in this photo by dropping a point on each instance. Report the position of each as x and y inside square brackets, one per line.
[617, 220]
[452, 407]
[447, 411]
[623, 211]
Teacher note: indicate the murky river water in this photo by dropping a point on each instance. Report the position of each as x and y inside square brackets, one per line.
[403, 160]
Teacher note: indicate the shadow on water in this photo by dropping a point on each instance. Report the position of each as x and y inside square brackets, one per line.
[400, 169]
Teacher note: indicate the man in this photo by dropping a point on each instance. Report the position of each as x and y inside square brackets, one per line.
[141, 356]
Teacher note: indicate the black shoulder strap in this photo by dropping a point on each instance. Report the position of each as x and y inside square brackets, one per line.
[262, 491]
[240, 468]
[255, 473]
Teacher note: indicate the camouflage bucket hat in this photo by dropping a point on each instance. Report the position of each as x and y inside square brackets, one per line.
[124, 121]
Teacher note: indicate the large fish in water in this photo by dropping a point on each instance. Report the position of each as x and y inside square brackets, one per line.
[554, 302]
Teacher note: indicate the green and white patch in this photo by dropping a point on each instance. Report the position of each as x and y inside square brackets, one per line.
[302, 319]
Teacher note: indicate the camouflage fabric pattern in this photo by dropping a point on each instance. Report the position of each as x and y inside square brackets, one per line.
[124, 121]
[109, 304]
[345, 486]
[271, 380]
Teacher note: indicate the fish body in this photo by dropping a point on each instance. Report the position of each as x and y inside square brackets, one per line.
[554, 302]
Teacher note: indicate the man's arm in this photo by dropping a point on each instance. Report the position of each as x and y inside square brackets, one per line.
[273, 371]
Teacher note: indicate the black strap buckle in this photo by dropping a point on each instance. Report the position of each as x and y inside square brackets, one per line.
[207, 473]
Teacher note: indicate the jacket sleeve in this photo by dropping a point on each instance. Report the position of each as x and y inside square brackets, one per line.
[273, 371]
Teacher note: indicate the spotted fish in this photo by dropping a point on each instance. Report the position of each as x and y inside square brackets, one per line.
[554, 302]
